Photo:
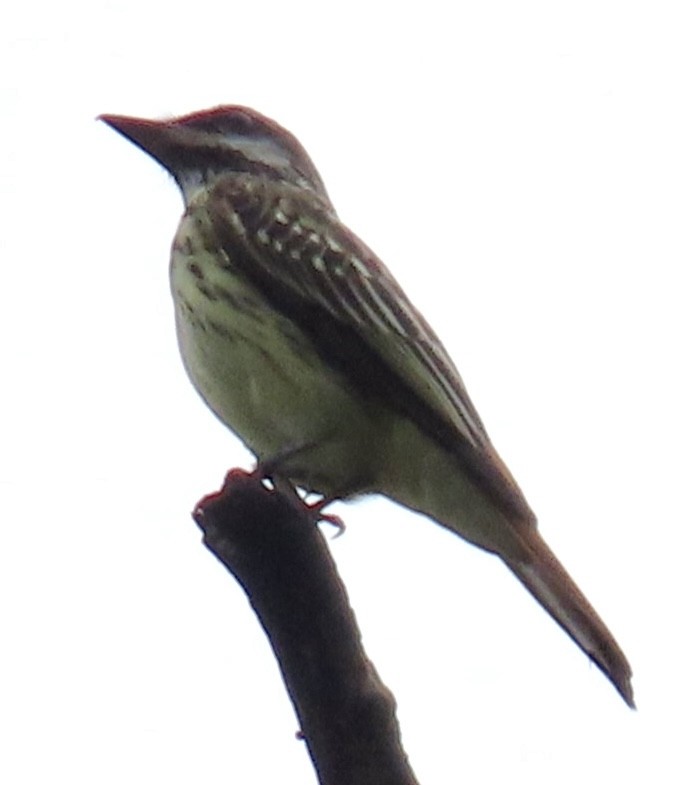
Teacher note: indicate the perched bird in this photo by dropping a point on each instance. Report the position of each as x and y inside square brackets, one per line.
[302, 343]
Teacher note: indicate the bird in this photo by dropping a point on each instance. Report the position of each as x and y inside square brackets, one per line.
[302, 343]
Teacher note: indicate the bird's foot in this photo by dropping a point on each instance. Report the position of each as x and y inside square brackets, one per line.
[316, 511]
[270, 469]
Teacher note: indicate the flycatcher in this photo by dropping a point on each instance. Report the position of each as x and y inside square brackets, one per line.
[300, 340]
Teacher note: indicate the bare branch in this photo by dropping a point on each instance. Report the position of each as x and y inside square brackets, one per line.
[270, 543]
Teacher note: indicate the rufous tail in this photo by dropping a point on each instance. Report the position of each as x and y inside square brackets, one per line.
[547, 580]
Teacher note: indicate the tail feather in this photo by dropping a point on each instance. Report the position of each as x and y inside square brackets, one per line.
[547, 580]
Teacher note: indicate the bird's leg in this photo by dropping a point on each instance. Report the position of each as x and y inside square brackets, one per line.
[275, 467]
[316, 509]
[270, 469]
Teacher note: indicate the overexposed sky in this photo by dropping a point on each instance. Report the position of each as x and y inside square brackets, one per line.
[522, 168]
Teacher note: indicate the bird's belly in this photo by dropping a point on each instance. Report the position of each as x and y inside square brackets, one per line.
[262, 377]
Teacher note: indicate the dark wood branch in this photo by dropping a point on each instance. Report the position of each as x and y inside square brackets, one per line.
[270, 543]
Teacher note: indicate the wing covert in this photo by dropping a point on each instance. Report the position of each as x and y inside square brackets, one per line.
[297, 252]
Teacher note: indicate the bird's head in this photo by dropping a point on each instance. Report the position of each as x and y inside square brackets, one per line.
[198, 147]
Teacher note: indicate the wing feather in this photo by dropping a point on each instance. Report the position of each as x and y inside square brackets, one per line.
[307, 263]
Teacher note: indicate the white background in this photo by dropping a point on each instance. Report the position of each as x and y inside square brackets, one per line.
[522, 168]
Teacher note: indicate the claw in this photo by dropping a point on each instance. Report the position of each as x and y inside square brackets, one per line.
[316, 510]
